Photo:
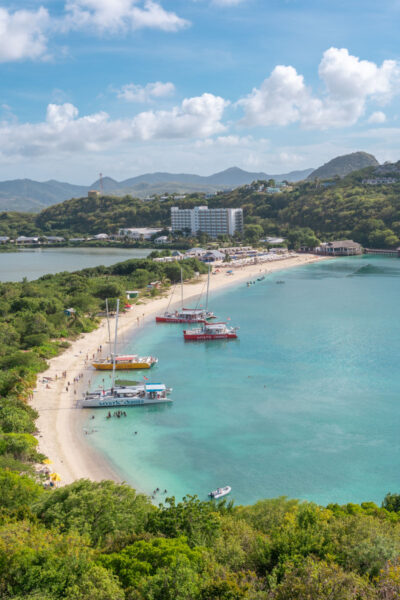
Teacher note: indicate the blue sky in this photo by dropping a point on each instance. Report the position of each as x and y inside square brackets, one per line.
[124, 87]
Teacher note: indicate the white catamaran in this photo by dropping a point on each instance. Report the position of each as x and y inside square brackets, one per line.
[127, 395]
[187, 315]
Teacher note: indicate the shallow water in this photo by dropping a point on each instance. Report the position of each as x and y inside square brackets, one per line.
[306, 404]
[35, 262]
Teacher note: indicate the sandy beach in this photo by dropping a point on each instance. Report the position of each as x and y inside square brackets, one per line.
[60, 424]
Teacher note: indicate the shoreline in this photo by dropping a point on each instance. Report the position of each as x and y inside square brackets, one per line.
[60, 431]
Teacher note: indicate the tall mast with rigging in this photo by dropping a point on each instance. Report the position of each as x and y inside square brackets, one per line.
[115, 346]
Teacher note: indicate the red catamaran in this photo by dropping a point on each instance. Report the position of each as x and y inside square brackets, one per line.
[210, 331]
[187, 315]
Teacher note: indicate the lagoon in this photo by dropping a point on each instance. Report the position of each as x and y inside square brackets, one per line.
[304, 404]
[35, 262]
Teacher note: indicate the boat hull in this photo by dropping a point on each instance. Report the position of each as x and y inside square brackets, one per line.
[178, 320]
[205, 337]
[122, 402]
[122, 367]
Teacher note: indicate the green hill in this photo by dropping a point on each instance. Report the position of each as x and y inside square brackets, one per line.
[359, 206]
[343, 165]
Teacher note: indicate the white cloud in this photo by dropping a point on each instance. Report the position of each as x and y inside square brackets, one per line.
[23, 34]
[196, 117]
[138, 93]
[116, 15]
[349, 82]
[64, 131]
[377, 117]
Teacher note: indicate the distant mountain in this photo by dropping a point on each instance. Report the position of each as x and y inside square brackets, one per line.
[343, 165]
[32, 196]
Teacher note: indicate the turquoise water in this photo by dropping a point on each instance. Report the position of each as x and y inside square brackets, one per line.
[35, 262]
[306, 404]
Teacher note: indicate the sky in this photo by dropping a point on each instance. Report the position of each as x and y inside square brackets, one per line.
[125, 87]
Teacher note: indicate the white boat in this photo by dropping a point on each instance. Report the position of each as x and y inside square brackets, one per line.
[220, 492]
[187, 315]
[132, 395]
[126, 395]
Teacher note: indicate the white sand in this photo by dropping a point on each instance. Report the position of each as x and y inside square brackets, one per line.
[60, 424]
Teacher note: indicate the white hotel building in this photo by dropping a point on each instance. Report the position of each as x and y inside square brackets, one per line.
[213, 221]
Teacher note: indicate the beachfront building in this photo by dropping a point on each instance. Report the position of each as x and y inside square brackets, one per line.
[22, 239]
[339, 248]
[213, 221]
[138, 233]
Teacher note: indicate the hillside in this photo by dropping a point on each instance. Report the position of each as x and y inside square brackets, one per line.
[343, 165]
[32, 196]
[343, 208]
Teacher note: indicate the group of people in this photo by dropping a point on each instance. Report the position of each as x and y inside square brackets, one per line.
[117, 413]
[156, 491]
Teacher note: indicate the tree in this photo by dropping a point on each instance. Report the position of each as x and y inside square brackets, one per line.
[105, 511]
[314, 580]
[17, 491]
[253, 233]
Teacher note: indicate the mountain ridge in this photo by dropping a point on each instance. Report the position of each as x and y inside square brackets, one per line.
[32, 196]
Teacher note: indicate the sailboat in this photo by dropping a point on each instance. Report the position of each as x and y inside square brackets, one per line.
[124, 362]
[187, 315]
[126, 395]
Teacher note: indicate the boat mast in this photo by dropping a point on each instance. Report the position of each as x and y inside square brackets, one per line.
[181, 288]
[208, 286]
[108, 327]
[170, 298]
[115, 346]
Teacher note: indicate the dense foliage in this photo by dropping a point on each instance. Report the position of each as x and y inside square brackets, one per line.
[310, 211]
[90, 541]
[104, 541]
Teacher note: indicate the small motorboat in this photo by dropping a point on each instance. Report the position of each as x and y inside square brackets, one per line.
[220, 492]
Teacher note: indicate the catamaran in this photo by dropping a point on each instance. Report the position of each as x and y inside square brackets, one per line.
[220, 492]
[133, 395]
[125, 362]
[126, 395]
[210, 331]
[187, 315]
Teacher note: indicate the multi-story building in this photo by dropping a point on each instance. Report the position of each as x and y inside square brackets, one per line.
[213, 221]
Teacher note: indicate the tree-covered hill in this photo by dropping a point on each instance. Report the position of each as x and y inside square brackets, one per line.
[343, 165]
[312, 210]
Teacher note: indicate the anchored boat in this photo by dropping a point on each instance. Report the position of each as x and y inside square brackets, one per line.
[187, 315]
[133, 395]
[125, 395]
[210, 331]
[220, 492]
[128, 362]
[125, 362]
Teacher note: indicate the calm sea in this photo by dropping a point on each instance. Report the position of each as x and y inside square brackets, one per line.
[33, 263]
[306, 404]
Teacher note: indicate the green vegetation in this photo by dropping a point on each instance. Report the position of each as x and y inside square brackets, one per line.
[104, 541]
[311, 211]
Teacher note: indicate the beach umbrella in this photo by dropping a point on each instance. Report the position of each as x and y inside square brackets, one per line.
[47, 461]
[55, 477]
